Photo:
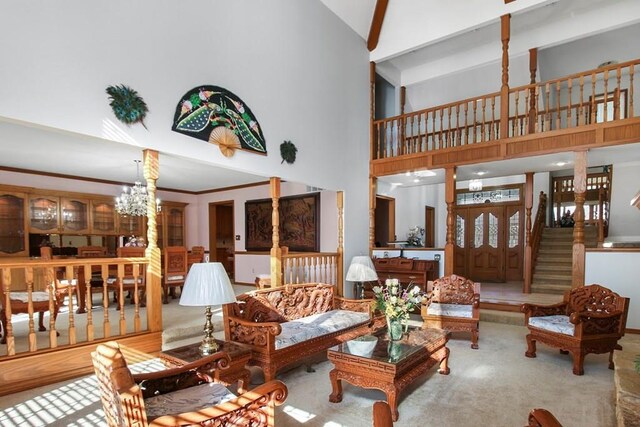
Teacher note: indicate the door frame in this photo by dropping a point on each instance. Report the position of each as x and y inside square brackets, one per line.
[213, 241]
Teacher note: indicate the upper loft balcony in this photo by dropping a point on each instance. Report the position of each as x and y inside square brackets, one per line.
[594, 108]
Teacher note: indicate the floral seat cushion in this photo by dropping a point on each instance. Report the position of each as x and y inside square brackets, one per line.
[300, 330]
[187, 400]
[556, 323]
[450, 310]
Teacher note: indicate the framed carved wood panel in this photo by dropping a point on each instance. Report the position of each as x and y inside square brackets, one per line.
[299, 223]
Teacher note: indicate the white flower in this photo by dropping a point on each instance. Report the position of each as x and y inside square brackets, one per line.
[376, 289]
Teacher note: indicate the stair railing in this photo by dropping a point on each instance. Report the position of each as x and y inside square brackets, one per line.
[538, 228]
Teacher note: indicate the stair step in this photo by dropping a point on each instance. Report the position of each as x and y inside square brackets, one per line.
[545, 251]
[554, 277]
[497, 316]
[548, 288]
[553, 267]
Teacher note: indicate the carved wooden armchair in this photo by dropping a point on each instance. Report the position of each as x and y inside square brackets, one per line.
[542, 418]
[186, 395]
[174, 269]
[590, 319]
[132, 280]
[453, 303]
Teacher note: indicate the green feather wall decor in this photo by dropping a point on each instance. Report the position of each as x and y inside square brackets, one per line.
[127, 105]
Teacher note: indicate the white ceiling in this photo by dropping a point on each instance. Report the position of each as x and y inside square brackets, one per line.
[31, 147]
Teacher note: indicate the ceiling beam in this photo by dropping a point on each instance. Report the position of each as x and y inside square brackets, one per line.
[376, 24]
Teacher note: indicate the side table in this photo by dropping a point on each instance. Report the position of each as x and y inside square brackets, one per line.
[236, 371]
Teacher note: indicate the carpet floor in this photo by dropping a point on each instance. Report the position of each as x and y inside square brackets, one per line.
[493, 386]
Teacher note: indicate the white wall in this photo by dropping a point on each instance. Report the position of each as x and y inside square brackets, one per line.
[617, 271]
[302, 71]
[624, 220]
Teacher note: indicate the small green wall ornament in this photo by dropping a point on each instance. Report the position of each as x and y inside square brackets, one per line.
[288, 152]
[127, 105]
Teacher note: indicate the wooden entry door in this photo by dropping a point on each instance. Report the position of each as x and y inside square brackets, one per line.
[488, 244]
[486, 254]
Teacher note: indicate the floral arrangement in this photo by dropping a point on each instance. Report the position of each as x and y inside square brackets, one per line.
[396, 302]
[415, 235]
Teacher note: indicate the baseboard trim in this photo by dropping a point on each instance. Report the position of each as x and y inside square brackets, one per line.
[632, 331]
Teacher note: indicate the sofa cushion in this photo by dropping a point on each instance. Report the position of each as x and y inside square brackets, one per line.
[187, 400]
[450, 310]
[36, 296]
[558, 323]
[300, 330]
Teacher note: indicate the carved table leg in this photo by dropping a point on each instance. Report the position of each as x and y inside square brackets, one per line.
[336, 387]
[531, 346]
[444, 363]
[392, 399]
[578, 362]
[474, 339]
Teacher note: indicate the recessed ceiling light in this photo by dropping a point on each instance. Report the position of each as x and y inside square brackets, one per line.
[481, 173]
[561, 163]
[424, 173]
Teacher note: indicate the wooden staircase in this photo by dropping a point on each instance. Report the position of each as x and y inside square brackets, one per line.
[552, 274]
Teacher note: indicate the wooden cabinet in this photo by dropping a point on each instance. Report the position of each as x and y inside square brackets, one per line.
[13, 224]
[74, 215]
[416, 271]
[103, 217]
[43, 214]
[132, 225]
[171, 225]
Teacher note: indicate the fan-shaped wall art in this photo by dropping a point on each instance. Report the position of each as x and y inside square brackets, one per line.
[214, 114]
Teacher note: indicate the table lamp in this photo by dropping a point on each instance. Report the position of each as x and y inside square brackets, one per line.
[361, 270]
[207, 284]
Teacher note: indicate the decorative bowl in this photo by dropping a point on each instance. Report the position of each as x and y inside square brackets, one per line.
[362, 346]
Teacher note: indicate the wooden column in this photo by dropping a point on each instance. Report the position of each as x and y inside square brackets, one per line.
[372, 110]
[154, 268]
[533, 106]
[372, 212]
[579, 191]
[528, 205]
[505, 30]
[403, 121]
[450, 199]
[340, 268]
[276, 252]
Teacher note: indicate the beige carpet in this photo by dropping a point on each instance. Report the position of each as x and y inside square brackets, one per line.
[493, 386]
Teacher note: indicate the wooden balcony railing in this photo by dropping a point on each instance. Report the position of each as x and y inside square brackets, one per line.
[79, 320]
[564, 103]
[317, 267]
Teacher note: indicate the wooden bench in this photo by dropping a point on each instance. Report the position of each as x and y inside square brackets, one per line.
[284, 324]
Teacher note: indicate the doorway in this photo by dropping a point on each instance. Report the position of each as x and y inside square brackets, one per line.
[429, 226]
[385, 214]
[221, 235]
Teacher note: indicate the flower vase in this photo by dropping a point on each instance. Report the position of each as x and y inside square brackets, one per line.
[395, 328]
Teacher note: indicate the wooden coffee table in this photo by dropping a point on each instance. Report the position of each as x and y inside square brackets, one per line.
[236, 371]
[392, 365]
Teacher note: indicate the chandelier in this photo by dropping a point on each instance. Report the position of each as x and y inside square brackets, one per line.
[133, 200]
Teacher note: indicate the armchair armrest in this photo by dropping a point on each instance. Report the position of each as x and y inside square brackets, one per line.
[534, 310]
[590, 323]
[244, 407]
[476, 300]
[258, 334]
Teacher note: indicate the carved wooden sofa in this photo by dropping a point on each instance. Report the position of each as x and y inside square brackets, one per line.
[590, 319]
[453, 303]
[180, 396]
[284, 324]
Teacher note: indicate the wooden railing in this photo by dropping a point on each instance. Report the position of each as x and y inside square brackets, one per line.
[563, 103]
[79, 320]
[317, 267]
[537, 229]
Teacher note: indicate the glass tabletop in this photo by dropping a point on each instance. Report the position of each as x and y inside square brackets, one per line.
[379, 347]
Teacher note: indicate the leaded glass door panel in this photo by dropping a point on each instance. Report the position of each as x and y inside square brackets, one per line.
[486, 244]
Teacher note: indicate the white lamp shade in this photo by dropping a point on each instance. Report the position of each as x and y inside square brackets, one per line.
[207, 284]
[361, 270]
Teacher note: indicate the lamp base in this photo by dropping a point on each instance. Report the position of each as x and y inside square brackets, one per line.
[358, 290]
[209, 344]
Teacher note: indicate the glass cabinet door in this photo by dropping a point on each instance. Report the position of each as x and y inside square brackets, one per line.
[175, 227]
[12, 224]
[75, 215]
[43, 214]
[103, 217]
[131, 225]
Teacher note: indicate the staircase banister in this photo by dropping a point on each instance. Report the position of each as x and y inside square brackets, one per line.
[538, 226]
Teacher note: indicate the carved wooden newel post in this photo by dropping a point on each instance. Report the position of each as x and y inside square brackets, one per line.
[340, 267]
[450, 199]
[579, 192]
[154, 269]
[504, 89]
[276, 252]
[528, 204]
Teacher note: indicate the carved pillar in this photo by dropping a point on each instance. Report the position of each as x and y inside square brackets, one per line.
[372, 212]
[372, 110]
[528, 205]
[505, 30]
[154, 268]
[533, 109]
[276, 252]
[403, 121]
[340, 268]
[450, 199]
[579, 191]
